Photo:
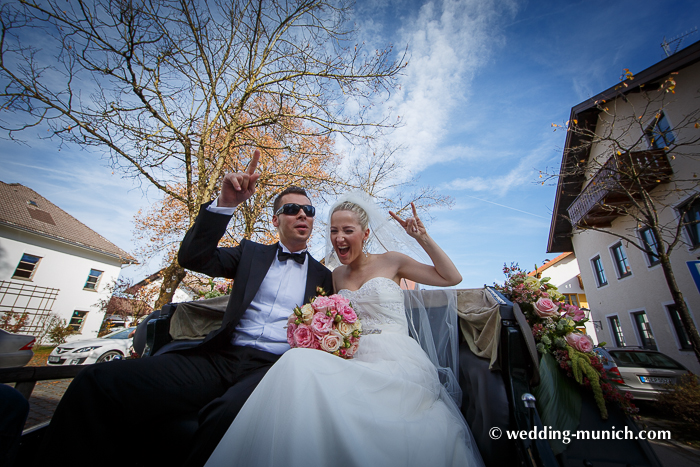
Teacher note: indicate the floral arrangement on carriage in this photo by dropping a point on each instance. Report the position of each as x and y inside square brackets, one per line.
[559, 332]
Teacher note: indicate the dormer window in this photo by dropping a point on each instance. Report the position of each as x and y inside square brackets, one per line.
[32, 203]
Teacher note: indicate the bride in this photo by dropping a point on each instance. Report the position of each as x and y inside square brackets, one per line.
[384, 407]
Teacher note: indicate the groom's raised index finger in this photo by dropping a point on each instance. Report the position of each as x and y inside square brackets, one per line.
[415, 212]
[254, 162]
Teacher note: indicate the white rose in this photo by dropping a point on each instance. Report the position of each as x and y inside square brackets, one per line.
[357, 326]
[345, 328]
[331, 342]
[307, 313]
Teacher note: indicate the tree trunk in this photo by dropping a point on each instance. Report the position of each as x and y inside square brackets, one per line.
[686, 320]
[172, 276]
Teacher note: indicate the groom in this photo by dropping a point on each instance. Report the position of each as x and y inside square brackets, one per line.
[214, 379]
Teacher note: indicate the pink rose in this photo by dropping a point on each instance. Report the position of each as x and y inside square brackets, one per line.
[574, 312]
[580, 342]
[544, 307]
[291, 327]
[331, 341]
[304, 337]
[323, 304]
[321, 323]
[347, 313]
[354, 345]
[339, 301]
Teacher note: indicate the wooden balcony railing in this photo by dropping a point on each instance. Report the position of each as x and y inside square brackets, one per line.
[617, 184]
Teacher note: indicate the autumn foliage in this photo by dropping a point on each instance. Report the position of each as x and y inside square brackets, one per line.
[292, 155]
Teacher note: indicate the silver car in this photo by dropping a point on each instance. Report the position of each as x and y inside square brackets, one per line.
[644, 373]
[115, 345]
[15, 349]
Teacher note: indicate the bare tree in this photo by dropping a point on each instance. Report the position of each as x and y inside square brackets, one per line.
[167, 88]
[633, 166]
[380, 172]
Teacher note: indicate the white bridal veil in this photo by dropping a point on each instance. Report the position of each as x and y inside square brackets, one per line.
[432, 314]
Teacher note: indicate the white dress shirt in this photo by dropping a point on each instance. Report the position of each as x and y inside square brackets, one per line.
[263, 324]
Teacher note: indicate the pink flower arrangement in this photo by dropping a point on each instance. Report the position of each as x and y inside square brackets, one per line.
[326, 323]
[557, 329]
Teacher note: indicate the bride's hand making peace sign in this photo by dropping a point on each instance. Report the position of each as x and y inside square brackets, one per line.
[413, 225]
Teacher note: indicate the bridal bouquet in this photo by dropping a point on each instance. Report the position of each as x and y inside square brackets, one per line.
[326, 323]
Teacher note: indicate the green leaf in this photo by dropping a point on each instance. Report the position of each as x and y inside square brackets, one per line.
[558, 400]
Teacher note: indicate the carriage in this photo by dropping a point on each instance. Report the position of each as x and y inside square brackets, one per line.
[497, 385]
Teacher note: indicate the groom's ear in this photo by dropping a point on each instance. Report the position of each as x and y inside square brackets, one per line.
[275, 221]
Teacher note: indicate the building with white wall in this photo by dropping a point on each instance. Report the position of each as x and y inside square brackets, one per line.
[652, 121]
[52, 263]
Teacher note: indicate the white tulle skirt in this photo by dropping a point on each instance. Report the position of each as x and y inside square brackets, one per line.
[385, 407]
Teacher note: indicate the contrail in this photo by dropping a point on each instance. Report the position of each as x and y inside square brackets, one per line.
[507, 207]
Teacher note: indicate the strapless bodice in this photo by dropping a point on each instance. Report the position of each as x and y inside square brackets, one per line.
[379, 303]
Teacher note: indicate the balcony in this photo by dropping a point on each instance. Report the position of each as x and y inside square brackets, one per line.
[620, 181]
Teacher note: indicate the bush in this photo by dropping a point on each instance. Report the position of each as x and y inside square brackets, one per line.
[58, 332]
[12, 321]
[683, 400]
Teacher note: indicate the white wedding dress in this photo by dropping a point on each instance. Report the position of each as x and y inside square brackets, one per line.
[384, 407]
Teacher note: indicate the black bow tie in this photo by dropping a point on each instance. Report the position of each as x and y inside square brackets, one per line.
[284, 256]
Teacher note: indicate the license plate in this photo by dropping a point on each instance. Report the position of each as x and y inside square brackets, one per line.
[656, 380]
[54, 359]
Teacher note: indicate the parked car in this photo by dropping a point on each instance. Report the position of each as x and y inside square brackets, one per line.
[642, 372]
[15, 349]
[101, 349]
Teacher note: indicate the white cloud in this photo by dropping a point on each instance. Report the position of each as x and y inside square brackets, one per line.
[448, 42]
[500, 185]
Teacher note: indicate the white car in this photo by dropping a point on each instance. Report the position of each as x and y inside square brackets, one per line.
[100, 349]
[15, 349]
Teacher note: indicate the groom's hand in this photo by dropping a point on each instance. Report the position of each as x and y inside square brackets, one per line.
[238, 187]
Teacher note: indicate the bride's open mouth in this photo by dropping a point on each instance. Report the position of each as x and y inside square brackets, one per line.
[343, 251]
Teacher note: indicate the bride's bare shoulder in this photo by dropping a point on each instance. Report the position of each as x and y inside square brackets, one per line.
[391, 257]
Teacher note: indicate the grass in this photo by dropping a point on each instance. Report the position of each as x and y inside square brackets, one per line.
[41, 353]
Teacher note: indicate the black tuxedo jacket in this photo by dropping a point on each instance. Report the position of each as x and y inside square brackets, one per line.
[247, 264]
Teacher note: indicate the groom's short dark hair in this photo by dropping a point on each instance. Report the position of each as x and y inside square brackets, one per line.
[289, 190]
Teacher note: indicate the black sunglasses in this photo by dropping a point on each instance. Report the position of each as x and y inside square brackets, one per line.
[292, 209]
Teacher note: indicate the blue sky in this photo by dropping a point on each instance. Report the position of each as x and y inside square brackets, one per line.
[485, 81]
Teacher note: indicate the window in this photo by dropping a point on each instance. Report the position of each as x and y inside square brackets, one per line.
[621, 262]
[93, 279]
[658, 133]
[27, 267]
[678, 326]
[651, 244]
[616, 331]
[645, 335]
[691, 219]
[77, 320]
[571, 299]
[599, 271]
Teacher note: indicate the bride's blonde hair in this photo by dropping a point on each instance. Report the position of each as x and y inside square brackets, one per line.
[352, 207]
